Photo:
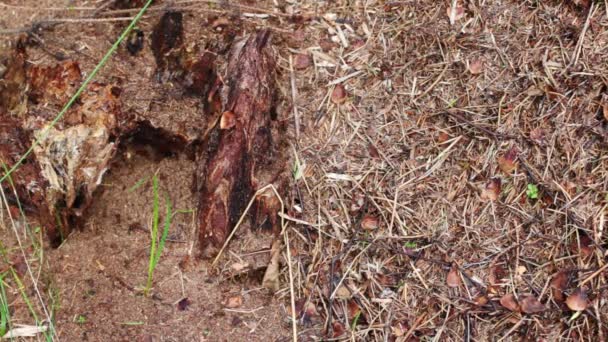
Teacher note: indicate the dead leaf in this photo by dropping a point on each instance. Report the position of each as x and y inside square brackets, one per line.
[585, 245]
[481, 300]
[353, 309]
[476, 67]
[492, 189]
[234, 302]
[453, 278]
[343, 292]
[397, 330]
[520, 270]
[531, 305]
[369, 222]
[305, 309]
[228, 120]
[302, 61]
[385, 280]
[510, 302]
[338, 329]
[534, 91]
[338, 95]
[508, 161]
[310, 309]
[271, 276]
[493, 289]
[239, 267]
[571, 188]
[373, 151]
[442, 137]
[605, 111]
[559, 283]
[578, 300]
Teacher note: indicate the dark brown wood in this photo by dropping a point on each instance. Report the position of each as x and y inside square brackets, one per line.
[241, 144]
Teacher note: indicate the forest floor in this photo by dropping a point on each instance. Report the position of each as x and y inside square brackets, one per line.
[449, 178]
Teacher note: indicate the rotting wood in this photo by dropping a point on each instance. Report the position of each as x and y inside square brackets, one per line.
[241, 145]
[58, 180]
[241, 152]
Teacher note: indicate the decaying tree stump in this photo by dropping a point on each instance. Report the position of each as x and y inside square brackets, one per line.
[241, 146]
[56, 182]
[240, 142]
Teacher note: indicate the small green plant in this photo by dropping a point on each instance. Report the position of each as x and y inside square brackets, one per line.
[532, 191]
[80, 319]
[4, 313]
[410, 244]
[296, 172]
[157, 245]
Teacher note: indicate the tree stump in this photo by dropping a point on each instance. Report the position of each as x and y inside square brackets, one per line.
[241, 153]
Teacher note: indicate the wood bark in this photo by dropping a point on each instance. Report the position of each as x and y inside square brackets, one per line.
[56, 182]
[241, 146]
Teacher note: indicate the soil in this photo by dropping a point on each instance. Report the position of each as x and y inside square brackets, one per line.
[449, 177]
[100, 271]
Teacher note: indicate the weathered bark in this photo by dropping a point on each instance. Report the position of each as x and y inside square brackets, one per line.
[56, 182]
[25, 189]
[242, 143]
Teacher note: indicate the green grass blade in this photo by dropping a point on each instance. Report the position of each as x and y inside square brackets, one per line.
[138, 184]
[79, 91]
[153, 233]
[4, 312]
[161, 243]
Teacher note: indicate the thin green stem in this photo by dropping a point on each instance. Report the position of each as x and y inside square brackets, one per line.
[5, 320]
[153, 233]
